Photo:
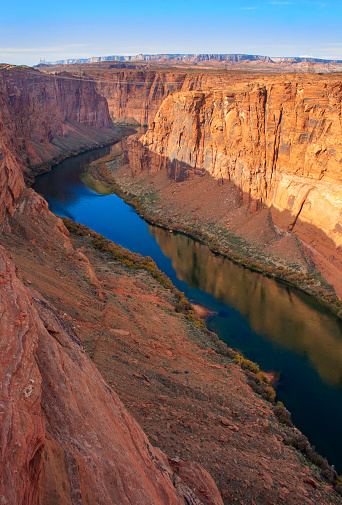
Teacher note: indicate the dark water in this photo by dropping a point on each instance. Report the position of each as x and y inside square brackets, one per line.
[281, 329]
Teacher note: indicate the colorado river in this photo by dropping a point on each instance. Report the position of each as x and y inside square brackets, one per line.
[281, 329]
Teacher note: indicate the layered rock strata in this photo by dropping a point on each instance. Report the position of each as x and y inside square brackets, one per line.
[237, 61]
[279, 143]
[135, 95]
[65, 436]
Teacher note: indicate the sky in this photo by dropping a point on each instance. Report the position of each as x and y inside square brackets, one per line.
[35, 30]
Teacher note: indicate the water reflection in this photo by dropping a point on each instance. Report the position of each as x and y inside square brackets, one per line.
[289, 318]
[63, 185]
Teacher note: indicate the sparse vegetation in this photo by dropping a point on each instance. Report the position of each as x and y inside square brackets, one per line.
[328, 473]
[283, 415]
[136, 261]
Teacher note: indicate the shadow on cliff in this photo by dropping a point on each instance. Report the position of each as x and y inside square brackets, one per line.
[318, 247]
[141, 160]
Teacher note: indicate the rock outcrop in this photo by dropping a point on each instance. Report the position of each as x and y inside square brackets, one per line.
[135, 95]
[280, 143]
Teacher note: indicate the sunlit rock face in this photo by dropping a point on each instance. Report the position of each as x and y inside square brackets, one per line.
[279, 143]
[134, 96]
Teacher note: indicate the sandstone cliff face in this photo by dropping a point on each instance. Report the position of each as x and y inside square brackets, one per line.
[136, 95]
[42, 117]
[279, 143]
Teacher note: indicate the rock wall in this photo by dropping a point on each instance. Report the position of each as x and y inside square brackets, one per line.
[136, 95]
[41, 118]
[280, 143]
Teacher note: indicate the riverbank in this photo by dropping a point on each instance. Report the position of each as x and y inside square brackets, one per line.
[161, 202]
[70, 148]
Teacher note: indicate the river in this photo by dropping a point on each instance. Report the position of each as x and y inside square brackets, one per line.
[281, 329]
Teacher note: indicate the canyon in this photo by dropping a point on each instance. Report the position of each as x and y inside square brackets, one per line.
[58, 444]
[80, 328]
[274, 137]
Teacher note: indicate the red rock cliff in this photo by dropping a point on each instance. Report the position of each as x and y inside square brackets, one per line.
[136, 95]
[280, 143]
[42, 117]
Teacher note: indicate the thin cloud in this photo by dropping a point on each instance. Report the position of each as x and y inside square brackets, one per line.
[280, 3]
[249, 8]
[332, 50]
[12, 50]
[332, 44]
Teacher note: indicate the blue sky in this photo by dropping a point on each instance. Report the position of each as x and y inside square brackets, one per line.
[80, 29]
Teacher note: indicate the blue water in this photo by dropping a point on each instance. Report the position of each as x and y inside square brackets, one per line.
[281, 329]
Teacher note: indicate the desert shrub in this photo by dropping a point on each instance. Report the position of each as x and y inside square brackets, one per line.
[193, 318]
[235, 257]
[315, 458]
[271, 394]
[230, 353]
[329, 474]
[259, 387]
[183, 304]
[246, 364]
[301, 443]
[262, 377]
[282, 414]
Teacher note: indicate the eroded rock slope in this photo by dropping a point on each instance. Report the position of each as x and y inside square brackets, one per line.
[43, 118]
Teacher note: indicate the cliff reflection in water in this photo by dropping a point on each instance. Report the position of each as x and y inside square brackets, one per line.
[279, 314]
